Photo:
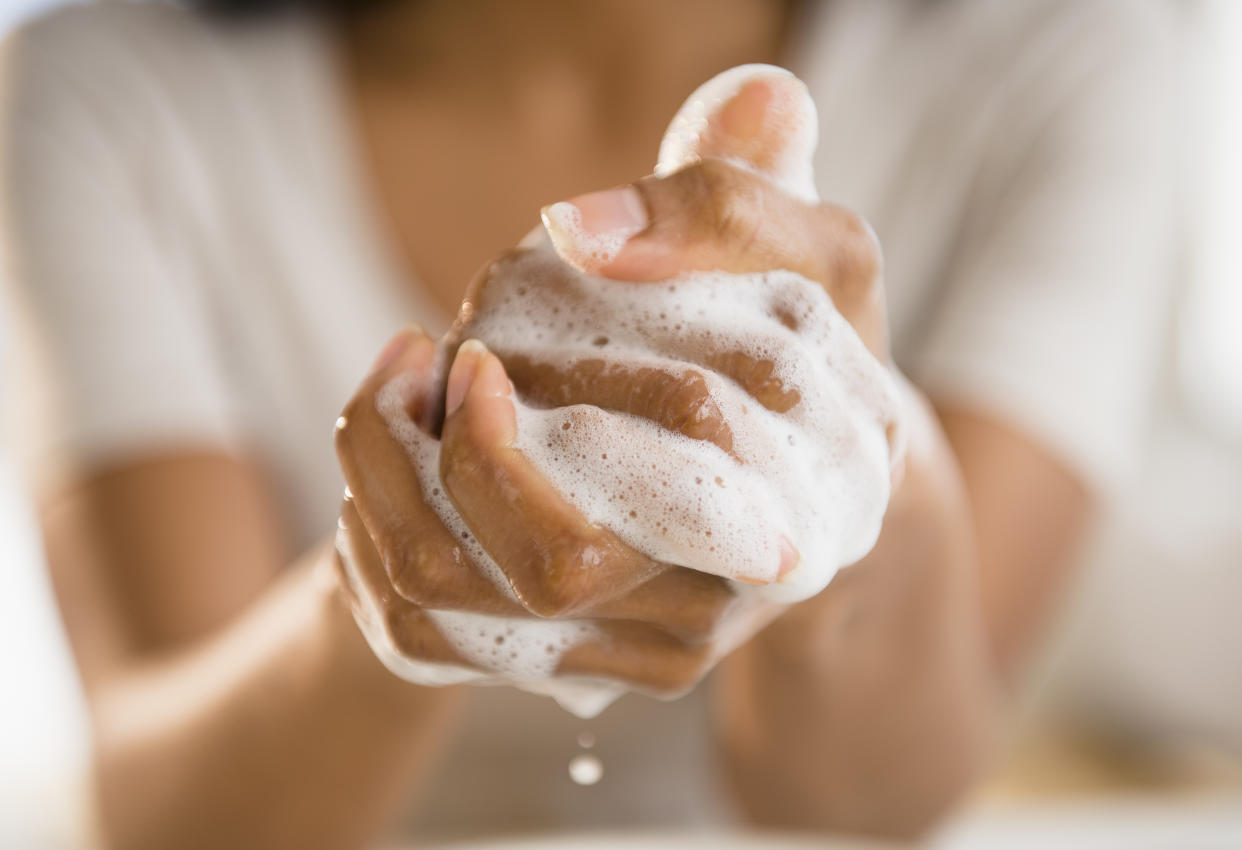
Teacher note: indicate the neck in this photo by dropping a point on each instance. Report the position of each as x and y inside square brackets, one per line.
[492, 48]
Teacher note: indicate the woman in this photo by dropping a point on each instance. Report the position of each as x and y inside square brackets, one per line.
[212, 223]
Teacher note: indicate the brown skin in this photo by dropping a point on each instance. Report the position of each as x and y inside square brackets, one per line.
[895, 703]
[234, 710]
[579, 93]
[207, 676]
[892, 718]
[711, 215]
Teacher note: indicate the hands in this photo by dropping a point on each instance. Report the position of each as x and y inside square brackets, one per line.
[404, 559]
[480, 553]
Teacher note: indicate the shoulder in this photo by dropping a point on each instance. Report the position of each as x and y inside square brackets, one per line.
[109, 44]
[1053, 78]
[967, 61]
[98, 23]
[1062, 44]
[115, 62]
[96, 70]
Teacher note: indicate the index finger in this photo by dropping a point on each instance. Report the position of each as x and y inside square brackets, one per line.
[426, 563]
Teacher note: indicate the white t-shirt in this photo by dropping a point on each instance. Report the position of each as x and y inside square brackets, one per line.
[193, 260]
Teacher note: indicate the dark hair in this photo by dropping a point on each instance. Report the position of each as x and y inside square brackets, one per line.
[259, 8]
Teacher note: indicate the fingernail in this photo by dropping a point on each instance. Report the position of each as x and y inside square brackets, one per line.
[461, 374]
[789, 558]
[590, 230]
[396, 347]
[490, 378]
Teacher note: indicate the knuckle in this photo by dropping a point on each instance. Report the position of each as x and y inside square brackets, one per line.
[724, 201]
[568, 584]
[707, 601]
[547, 589]
[709, 623]
[698, 627]
[416, 573]
[692, 667]
[414, 637]
[855, 259]
[404, 630]
[546, 601]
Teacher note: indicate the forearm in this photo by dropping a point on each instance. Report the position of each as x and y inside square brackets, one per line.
[1029, 514]
[281, 731]
[869, 707]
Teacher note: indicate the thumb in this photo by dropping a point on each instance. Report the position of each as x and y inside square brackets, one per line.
[754, 119]
[757, 117]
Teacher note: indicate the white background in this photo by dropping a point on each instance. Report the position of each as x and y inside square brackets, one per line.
[43, 741]
[42, 732]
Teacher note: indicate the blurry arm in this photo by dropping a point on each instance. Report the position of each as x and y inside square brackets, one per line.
[231, 708]
[870, 708]
[1028, 514]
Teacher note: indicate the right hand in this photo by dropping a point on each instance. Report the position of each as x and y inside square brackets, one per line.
[653, 625]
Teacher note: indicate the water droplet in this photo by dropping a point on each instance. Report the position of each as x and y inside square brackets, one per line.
[585, 769]
[586, 740]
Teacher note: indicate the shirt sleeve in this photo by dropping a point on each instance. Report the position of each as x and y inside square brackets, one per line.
[1053, 306]
[114, 350]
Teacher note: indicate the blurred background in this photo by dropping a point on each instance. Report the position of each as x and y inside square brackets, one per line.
[44, 742]
[1133, 729]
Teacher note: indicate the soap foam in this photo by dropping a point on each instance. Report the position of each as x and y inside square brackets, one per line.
[524, 649]
[505, 651]
[589, 249]
[816, 473]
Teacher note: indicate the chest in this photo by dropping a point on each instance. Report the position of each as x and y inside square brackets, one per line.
[455, 187]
